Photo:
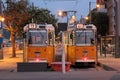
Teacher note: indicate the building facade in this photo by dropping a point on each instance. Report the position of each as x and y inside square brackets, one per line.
[118, 16]
[113, 10]
[111, 14]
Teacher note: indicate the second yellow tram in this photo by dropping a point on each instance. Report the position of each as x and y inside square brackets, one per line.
[81, 46]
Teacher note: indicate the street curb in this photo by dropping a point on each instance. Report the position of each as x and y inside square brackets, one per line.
[106, 67]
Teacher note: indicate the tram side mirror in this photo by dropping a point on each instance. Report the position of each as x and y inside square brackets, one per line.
[24, 35]
[50, 35]
[92, 41]
[71, 35]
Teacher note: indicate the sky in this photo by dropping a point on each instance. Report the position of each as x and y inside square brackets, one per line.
[81, 6]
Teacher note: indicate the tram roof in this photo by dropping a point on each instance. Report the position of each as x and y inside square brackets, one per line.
[38, 26]
[82, 26]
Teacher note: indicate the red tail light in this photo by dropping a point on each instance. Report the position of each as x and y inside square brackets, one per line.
[37, 60]
[85, 58]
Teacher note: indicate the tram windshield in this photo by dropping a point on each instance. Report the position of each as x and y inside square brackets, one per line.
[37, 37]
[84, 37]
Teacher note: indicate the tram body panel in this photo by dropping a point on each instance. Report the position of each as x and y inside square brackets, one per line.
[85, 54]
[71, 54]
[41, 53]
[50, 54]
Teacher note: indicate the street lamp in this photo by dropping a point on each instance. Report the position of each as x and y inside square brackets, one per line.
[86, 18]
[72, 19]
[65, 14]
[2, 18]
[62, 13]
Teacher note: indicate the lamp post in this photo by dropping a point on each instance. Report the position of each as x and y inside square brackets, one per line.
[90, 11]
[63, 14]
[1, 30]
[1, 37]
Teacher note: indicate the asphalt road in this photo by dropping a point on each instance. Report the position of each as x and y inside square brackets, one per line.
[72, 75]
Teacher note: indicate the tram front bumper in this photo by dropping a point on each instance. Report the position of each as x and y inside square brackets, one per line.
[85, 61]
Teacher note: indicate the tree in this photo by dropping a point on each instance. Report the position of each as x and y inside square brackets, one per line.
[40, 15]
[100, 20]
[15, 15]
[19, 13]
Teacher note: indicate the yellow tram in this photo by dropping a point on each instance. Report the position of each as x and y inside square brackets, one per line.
[39, 43]
[81, 46]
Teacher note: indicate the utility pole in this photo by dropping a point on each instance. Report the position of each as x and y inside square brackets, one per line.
[0, 7]
[117, 53]
[90, 11]
[1, 35]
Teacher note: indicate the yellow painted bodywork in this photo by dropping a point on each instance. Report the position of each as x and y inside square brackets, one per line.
[76, 53]
[46, 52]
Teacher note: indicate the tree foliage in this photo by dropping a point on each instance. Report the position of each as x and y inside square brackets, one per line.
[100, 19]
[19, 13]
[40, 15]
[15, 15]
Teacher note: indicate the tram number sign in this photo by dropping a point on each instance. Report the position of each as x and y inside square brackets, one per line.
[32, 25]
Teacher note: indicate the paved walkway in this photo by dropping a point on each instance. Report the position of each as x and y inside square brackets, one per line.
[8, 64]
[109, 62]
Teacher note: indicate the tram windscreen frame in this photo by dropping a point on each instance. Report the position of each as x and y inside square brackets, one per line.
[84, 37]
[37, 37]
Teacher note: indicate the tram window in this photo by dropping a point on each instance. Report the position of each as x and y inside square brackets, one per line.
[72, 36]
[80, 38]
[37, 38]
[83, 37]
[89, 37]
